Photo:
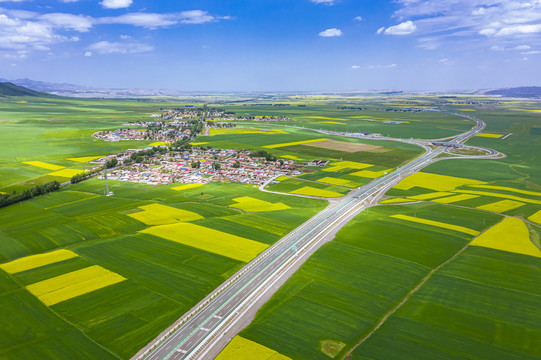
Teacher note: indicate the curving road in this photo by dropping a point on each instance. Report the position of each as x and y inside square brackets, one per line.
[198, 333]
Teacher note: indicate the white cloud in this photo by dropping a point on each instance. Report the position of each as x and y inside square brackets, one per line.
[195, 17]
[522, 47]
[331, 32]
[22, 35]
[88, 53]
[404, 28]
[390, 66]
[533, 52]
[75, 22]
[497, 48]
[155, 20]
[326, 2]
[355, 67]
[462, 19]
[22, 32]
[358, 18]
[116, 4]
[518, 30]
[380, 30]
[106, 47]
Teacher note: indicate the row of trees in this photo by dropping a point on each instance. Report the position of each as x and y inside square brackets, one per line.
[15, 197]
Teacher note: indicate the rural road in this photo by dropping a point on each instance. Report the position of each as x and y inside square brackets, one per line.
[203, 331]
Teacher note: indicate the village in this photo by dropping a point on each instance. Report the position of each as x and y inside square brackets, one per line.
[155, 131]
[165, 164]
[200, 165]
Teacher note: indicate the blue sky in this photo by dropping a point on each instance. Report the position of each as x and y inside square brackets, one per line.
[273, 45]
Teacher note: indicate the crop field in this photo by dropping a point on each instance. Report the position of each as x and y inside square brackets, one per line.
[249, 204]
[302, 187]
[214, 241]
[157, 214]
[243, 349]
[511, 235]
[84, 276]
[481, 304]
[342, 290]
[93, 260]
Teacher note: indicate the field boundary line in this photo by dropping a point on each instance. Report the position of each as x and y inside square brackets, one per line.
[347, 356]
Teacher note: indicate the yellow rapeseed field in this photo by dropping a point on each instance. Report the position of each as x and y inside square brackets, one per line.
[333, 122]
[324, 118]
[340, 165]
[35, 261]
[435, 182]
[83, 159]
[396, 200]
[66, 173]
[73, 284]
[528, 110]
[431, 195]
[510, 235]
[536, 217]
[454, 198]
[292, 157]
[371, 174]
[487, 135]
[312, 191]
[437, 224]
[160, 143]
[501, 206]
[333, 181]
[504, 196]
[243, 349]
[294, 143]
[198, 143]
[44, 165]
[228, 131]
[281, 178]
[186, 186]
[215, 241]
[250, 204]
[158, 214]
[505, 188]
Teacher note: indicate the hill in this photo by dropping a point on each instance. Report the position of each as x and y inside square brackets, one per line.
[10, 89]
[523, 91]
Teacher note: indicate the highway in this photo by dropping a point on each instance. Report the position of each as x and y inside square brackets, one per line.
[194, 334]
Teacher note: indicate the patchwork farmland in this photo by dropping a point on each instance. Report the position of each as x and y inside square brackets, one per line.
[446, 266]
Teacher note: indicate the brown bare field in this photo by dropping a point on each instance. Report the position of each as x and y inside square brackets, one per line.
[347, 147]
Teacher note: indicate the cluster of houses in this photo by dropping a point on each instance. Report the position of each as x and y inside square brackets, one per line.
[202, 166]
[155, 131]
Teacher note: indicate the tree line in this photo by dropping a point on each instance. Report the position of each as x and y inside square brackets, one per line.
[36, 190]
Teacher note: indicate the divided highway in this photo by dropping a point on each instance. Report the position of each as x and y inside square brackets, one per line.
[194, 334]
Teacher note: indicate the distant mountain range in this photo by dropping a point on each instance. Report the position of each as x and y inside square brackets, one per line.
[10, 89]
[65, 89]
[523, 91]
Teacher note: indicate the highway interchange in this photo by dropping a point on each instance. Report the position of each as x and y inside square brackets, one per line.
[212, 320]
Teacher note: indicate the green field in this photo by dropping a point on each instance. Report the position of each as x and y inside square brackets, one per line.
[482, 304]
[117, 320]
[350, 283]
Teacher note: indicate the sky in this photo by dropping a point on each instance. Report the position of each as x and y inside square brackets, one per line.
[273, 45]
